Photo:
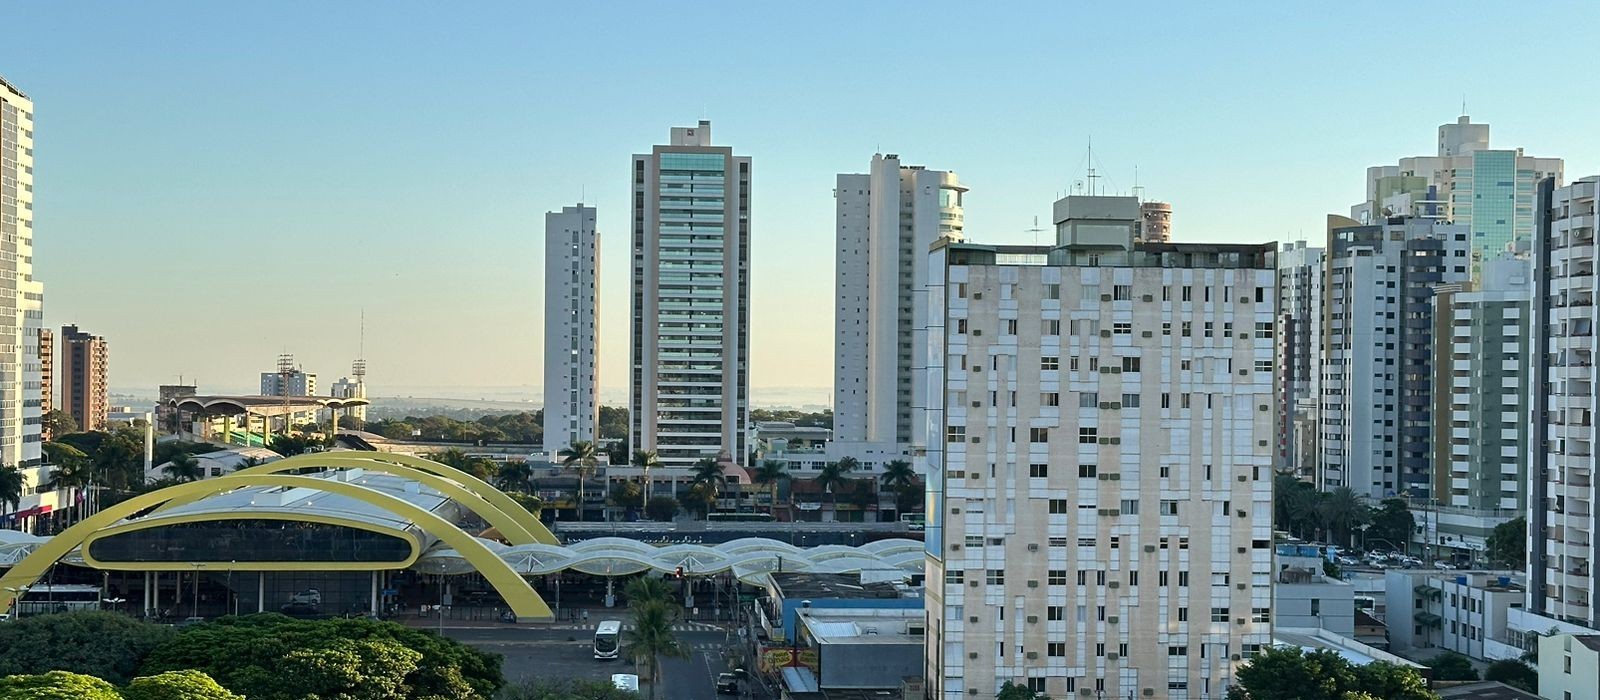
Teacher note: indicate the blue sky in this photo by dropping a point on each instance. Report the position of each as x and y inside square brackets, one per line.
[221, 182]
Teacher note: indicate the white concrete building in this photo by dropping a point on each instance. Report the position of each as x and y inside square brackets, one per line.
[347, 388]
[295, 383]
[1489, 191]
[1377, 351]
[1561, 494]
[1569, 666]
[886, 220]
[1459, 611]
[1100, 515]
[1302, 597]
[21, 296]
[691, 302]
[571, 329]
[1480, 411]
[1300, 303]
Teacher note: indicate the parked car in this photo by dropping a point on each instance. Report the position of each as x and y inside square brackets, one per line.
[727, 684]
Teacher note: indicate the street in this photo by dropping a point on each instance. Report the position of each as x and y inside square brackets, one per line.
[564, 652]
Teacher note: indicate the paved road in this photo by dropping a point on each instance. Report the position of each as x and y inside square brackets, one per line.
[564, 652]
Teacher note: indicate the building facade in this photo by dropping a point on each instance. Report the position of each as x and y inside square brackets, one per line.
[1561, 496]
[886, 219]
[1459, 611]
[1480, 406]
[1155, 222]
[1377, 352]
[1300, 297]
[47, 370]
[691, 293]
[348, 388]
[1100, 505]
[21, 296]
[296, 382]
[571, 329]
[1490, 191]
[85, 364]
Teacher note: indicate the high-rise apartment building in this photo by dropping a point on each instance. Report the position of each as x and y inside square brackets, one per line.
[571, 333]
[293, 382]
[1300, 296]
[1480, 406]
[21, 296]
[886, 221]
[1100, 516]
[1378, 348]
[691, 301]
[1490, 191]
[1561, 498]
[348, 388]
[85, 363]
[47, 370]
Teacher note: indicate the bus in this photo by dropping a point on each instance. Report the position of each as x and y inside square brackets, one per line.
[607, 638]
[54, 598]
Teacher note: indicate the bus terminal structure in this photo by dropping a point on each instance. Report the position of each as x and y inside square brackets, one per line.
[346, 531]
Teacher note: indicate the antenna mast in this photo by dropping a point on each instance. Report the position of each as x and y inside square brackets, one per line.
[1092, 176]
[1035, 230]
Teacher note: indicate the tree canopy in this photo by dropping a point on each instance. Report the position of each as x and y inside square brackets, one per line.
[102, 644]
[1450, 666]
[56, 685]
[1292, 673]
[1508, 543]
[178, 685]
[1513, 672]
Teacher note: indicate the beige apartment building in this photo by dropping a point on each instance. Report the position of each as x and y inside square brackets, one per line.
[1100, 515]
[85, 393]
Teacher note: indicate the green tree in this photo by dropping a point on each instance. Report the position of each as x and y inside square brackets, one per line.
[651, 639]
[700, 499]
[661, 508]
[565, 689]
[101, 644]
[647, 589]
[178, 685]
[1513, 672]
[899, 476]
[710, 480]
[1292, 673]
[57, 685]
[1393, 523]
[10, 488]
[1508, 543]
[529, 502]
[1382, 679]
[1339, 511]
[1450, 666]
[183, 467]
[832, 477]
[583, 458]
[274, 657]
[289, 444]
[57, 422]
[1013, 691]
[515, 475]
[771, 472]
[646, 460]
[613, 423]
[627, 495]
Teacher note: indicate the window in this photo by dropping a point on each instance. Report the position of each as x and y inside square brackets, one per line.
[1264, 330]
[1039, 435]
[1177, 650]
[1261, 614]
[1039, 471]
[954, 576]
[1316, 608]
[1188, 293]
[1169, 507]
[1051, 327]
[1133, 578]
[974, 541]
[1086, 471]
[1130, 506]
[1088, 399]
[1056, 577]
[1050, 362]
[961, 290]
[955, 433]
[1207, 326]
[1263, 365]
[1011, 326]
[994, 577]
[1036, 685]
[1183, 578]
[1187, 329]
[961, 326]
[1183, 613]
[1058, 506]
[1052, 291]
[1087, 436]
[1055, 613]
[1122, 328]
[1166, 328]
[1130, 364]
[1130, 400]
[1122, 292]
[1221, 614]
[1055, 649]
[1050, 398]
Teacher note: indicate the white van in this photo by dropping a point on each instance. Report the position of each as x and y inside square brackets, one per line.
[625, 681]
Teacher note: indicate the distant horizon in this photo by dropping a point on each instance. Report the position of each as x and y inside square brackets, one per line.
[763, 397]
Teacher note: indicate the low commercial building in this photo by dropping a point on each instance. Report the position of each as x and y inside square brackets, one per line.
[788, 593]
[1569, 666]
[1460, 611]
[861, 649]
[1303, 597]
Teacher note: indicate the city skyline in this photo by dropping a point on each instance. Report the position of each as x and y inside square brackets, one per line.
[197, 186]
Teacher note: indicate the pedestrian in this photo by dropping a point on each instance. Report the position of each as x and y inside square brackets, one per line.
[586, 616]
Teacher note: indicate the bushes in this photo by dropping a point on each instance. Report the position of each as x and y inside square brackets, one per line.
[101, 644]
[61, 685]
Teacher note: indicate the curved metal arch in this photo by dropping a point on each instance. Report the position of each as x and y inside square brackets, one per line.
[487, 491]
[521, 598]
[153, 521]
[514, 531]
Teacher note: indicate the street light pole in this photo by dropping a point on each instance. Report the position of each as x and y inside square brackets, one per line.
[194, 592]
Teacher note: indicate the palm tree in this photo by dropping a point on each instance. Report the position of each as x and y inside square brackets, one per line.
[183, 467]
[645, 590]
[651, 640]
[899, 476]
[515, 476]
[832, 477]
[770, 473]
[710, 480]
[452, 457]
[10, 488]
[646, 460]
[1340, 510]
[582, 457]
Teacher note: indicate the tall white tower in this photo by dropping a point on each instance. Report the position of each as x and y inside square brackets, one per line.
[571, 310]
[21, 296]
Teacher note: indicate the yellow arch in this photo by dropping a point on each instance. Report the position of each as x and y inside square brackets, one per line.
[494, 496]
[510, 527]
[152, 521]
[519, 596]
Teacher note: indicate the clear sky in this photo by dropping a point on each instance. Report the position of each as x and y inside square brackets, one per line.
[221, 182]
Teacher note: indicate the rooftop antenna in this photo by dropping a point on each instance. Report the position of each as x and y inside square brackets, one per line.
[1092, 176]
[1463, 104]
[359, 369]
[1035, 230]
[1137, 190]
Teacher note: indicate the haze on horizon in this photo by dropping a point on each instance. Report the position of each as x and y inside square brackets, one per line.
[217, 184]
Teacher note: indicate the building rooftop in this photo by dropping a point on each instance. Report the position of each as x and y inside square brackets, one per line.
[1261, 256]
[13, 88]
[1589, 640]
[865, 626]
[795, 586]
[1483, 690]
[1355, 652]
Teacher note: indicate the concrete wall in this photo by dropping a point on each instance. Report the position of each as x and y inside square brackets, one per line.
[846, 665]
